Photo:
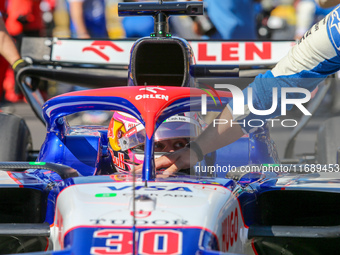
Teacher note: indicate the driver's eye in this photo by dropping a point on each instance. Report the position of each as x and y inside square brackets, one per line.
[159, 146]
[178, 145]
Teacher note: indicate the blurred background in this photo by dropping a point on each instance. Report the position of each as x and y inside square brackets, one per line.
[274, 19]
[62, 20]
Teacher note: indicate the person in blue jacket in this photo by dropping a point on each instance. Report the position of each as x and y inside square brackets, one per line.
[87, 18]
[137, 26]
[233, 19]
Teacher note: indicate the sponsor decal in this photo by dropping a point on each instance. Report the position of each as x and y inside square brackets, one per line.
[131, 132]
[211, 188]
[220, 53]
[153, 90]
[173, 195]
[60, 225]
[230, 230]
[130, 125]
[97, 48]
[161, 195]
[151, 96]
[335, 28]
[119, 161]
[135, 129]
[141, 222]
[106, 195]
[231, 51]
[152, 188]
[140, 214]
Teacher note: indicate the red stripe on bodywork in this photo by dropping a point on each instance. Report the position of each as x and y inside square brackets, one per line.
[253, 247]
[47, 244]
[15, 179]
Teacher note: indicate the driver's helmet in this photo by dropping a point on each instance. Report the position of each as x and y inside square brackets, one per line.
[127, 137]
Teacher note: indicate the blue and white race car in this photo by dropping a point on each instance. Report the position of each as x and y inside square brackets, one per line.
[72, 198]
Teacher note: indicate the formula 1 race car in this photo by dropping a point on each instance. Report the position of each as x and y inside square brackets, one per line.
[71, 199]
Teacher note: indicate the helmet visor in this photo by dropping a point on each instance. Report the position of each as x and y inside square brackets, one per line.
[172, 128]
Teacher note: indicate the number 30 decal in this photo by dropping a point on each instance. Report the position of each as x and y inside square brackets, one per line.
[150, 242]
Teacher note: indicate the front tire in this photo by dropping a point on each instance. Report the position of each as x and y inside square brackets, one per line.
[15, 138]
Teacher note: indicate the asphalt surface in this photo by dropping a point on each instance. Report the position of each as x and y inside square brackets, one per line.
[305, 141]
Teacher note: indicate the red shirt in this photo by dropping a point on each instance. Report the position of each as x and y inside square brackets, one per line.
[28, 8]
[3, 8]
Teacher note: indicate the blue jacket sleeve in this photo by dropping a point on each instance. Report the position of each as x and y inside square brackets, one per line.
[309, 62]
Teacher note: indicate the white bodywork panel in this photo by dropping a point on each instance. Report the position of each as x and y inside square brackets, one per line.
[172, 205]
